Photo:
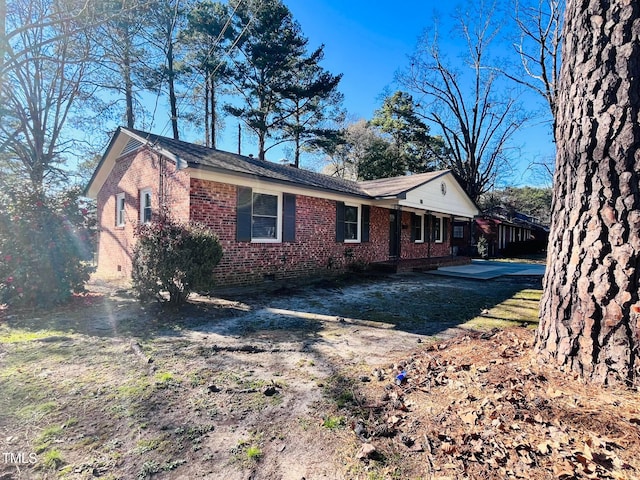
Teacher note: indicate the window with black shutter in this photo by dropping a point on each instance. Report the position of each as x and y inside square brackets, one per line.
[265, 217]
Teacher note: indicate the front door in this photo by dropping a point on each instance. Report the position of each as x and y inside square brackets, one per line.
[394, 243]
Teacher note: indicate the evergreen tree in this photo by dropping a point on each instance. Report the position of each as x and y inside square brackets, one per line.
[413, 148]
[120, 53]
[283, 92]
[166, 19]
[210, 34]
[311, 99]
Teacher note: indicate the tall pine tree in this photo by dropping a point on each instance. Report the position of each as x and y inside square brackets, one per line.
[590, 311]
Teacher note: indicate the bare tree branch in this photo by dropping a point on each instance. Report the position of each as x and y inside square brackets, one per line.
[473, 110]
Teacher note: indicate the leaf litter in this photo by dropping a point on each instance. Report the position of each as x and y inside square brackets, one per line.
[480, 406]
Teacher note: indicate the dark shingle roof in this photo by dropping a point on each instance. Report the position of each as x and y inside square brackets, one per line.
[199, 156]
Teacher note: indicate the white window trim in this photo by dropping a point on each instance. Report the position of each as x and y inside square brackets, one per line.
[278, 238]
[358, 226]
[422, 225]
[143, 194]
[121, 218]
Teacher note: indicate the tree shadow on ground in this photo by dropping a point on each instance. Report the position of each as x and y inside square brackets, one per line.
[413, 303]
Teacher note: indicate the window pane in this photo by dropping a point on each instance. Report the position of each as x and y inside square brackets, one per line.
[147, 214]
[263, 227]
[350, 231]
[351, 214]
[418, 230]
[265, 204]
[436, 228]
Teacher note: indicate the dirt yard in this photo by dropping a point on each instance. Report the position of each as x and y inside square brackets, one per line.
[300, 384]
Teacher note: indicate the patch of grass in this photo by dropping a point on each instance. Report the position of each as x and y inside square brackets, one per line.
[253, 453]
[52, 459]
[304, 423]
[16, 335]
[147, 445]
[72, 422]
[345, 399]
[520, 309]
[333, 423]
[166, 380]
[164, 377]
[46, 437]
[38, 411]
[172, 465]
[248, 452]
[194, 433]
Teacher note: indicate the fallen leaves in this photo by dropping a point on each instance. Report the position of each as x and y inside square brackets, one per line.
[481, 408]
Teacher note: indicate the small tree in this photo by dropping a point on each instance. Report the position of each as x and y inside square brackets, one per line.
[483, 247]
[173, 257]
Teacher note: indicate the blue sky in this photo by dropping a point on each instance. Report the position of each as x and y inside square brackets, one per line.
[368, 42]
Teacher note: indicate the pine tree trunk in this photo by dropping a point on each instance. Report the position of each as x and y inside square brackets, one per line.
[590, 311]
[207, 138]
[128, 89]
[171, 74]
[214, 115]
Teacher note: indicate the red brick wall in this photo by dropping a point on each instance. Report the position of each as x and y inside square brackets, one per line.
[314, 252]
[130, 175]
[410, 249]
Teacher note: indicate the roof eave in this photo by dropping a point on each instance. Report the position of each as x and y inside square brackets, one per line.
[210, 168]
[112, 142]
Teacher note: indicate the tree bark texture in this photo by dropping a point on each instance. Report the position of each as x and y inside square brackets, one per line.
[590, 311]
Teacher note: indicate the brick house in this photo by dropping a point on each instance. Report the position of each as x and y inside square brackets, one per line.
[273, 221]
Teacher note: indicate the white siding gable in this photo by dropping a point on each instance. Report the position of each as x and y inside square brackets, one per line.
[441, 195]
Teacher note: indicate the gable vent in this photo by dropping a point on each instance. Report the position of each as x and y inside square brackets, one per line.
[131, 145]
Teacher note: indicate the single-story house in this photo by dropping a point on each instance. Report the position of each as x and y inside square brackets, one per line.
[273, 221]
[511, 232]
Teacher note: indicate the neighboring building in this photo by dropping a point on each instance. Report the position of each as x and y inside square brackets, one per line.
[509, 232]
[273, 221]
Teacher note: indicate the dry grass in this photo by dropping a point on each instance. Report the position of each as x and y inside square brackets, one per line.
[477, 405]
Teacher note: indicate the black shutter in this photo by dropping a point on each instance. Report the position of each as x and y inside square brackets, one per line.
[366, 214]
[339, 221]
[289, 218]
[414, 222]
[445, 229]
[243, 214]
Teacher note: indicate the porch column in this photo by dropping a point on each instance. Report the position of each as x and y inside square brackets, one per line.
[429, 232]
[451, 220]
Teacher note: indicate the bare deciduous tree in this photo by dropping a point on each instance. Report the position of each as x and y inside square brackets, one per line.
[474, 112]
[540, 30]
[44, 72]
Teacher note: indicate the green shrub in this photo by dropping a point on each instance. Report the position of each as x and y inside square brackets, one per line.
[173, 257]
[46, 243]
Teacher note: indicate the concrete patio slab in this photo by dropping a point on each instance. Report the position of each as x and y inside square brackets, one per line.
[487, 270]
